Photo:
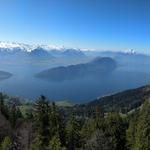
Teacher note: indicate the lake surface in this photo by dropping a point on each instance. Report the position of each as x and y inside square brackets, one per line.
[24, 84]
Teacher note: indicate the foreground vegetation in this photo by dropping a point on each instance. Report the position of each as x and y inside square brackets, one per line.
[42, 125]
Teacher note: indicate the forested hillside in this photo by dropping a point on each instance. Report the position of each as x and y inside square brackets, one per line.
[122, 102]
[42, 125]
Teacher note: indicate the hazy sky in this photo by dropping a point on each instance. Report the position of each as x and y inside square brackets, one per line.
[94, 24]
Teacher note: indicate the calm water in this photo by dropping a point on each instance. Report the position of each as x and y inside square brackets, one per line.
[23, 84]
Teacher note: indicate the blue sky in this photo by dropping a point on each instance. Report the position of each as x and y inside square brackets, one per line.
[91, 24]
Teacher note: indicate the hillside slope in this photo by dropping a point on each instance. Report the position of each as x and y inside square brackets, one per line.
[119, 102]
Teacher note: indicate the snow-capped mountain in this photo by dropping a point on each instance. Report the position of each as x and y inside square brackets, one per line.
[39, 50]
[12, 46]
[29, 47]
[131, 52]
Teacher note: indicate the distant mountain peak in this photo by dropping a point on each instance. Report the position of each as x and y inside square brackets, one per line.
[40, 52]
[10, 46]
[73, 53]
[29, 47]
[131, 51]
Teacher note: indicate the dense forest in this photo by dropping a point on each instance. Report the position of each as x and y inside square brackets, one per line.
[116, 122]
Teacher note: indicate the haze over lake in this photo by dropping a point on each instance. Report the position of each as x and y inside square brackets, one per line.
[24, 84]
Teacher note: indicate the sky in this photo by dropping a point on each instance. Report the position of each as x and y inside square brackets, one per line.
[88, 24]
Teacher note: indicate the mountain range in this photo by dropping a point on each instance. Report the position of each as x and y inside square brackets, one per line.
[38, 50]
[22, 51]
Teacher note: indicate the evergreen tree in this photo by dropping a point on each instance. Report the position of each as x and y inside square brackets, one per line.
[87, 130]
[116, 129]
[38, 143]
[57, 123]
[73, 133]
[54, 120]
[1, 103]
[42, 125]
[61, 128]
[13, 115]
[6, 144]
[130, 133]
[3, 106]
[55, 144]
[142, 132]
[98, 141]
[98, 119]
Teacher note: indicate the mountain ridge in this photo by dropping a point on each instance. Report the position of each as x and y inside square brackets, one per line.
[123, 102]
[97, 66]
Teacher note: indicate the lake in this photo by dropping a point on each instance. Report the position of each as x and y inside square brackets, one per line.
[24, 84]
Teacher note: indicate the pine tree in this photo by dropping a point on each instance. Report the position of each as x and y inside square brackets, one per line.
[13, 116]
[87, 130]
[57, 124]
[54, 120]
[73, 133]
[61, 128]
[116, 129]
[130, 133]
[98, 119]
[6, 144]
[38, 143]
[42, 115]
[3, 106]
[1, 103]
[55, 144]
[98, 141]
[142, 132]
